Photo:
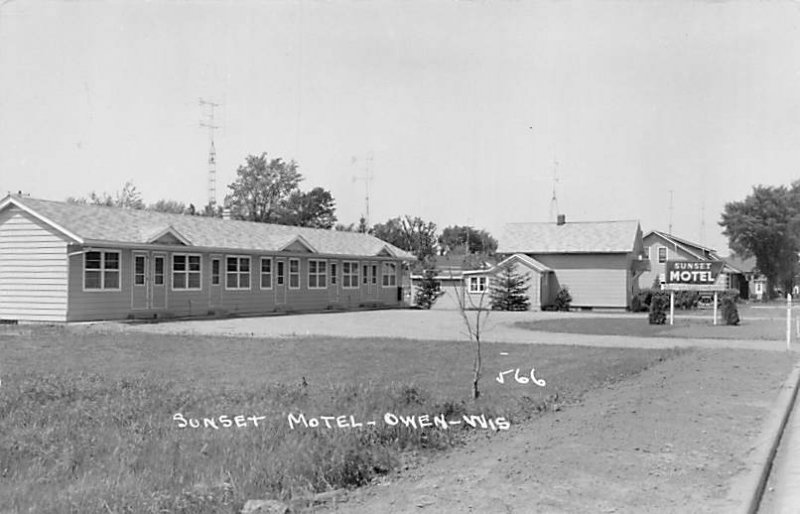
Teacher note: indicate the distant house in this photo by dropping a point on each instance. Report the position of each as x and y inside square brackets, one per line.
[457, 275]
[756, 283]
[661, 247]
[68, 262]
[599, 262]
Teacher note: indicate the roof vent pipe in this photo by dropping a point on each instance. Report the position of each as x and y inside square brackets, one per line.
[561, 219]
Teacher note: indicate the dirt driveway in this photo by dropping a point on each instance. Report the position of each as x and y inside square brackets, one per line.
[426, 325]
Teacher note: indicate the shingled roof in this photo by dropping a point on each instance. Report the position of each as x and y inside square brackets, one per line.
[571, 237]
[92, 224]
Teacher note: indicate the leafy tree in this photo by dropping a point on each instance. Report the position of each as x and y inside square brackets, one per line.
[171, 206]
[362, 226]
[128, 198]
[428, 290]
[508, 291]
[766, 225]
[411, 234]
[315, 208]
[466, 239]
[262, 186]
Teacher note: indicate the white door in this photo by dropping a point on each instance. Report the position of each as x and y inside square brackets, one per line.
[333, 286]
[158, 282]
[215, 288]
[280, 281]
[140, 293]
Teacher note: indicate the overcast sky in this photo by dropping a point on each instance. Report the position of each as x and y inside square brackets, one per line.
[465, 107]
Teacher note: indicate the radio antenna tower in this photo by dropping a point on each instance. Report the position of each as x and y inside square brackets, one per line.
[554, 201]
[367, 178]
[208, 122]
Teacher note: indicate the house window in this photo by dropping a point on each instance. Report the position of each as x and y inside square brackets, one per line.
[333, 273]
[281, 278]
[215, 272]
[374, 274]
[101, 270]
[237, 273]
[158, 275]
[266, 273]
[477, 284]
[389, 273]
[317, 274]
[662, 254]
[294, 274]
[186, 271]
[349, 275]
[138, 270]
[364, 277]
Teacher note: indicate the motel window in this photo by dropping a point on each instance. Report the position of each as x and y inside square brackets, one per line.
[317, 274]
[364, 276]
[294, 274]
[662, 254]
[101, 270]
[139, 263]
[186, 272]
[333, 273]
[477, 284]
[281, 273]
[266, 273]
[215, 265]
[389, 274]
[158, 275]
[374, 274]
[349, 275]
[237, 273]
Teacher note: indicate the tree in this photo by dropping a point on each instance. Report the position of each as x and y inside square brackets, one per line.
[261, 187]
[428, 290]
[508, 291]
[466, 239]
[171, 206]
[315, 208]
[766, 225]
[411, 234]
[128, 198]
[474, 317]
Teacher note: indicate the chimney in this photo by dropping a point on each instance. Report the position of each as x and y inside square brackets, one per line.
[561, 219]
[226, 214]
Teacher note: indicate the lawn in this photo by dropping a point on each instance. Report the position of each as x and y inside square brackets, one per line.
[694, 326]
[87, 419]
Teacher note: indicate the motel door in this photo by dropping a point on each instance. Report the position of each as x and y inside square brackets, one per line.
[158, 285]
[280, 281]
[373, 281]
[333, 288]
[215, 290]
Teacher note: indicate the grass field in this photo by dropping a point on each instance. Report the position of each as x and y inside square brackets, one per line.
[86, 418]
[696, 326]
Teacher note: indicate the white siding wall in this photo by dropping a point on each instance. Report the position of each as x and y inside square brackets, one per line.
[33, 269]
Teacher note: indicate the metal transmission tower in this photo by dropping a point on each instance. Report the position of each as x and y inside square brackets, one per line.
[670, 212]
[208, 122]
[367, 178]
[554, 201]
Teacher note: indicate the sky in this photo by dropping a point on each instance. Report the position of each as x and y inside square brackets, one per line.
[461, 112]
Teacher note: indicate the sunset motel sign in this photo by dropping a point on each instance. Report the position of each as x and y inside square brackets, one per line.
[692, 276]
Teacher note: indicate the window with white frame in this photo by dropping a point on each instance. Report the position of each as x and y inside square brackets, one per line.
[349, 275]
[389, 273]
[266, 273]
[281, 278]
[374, 278]
[101, 270]
[477, 284]
[294, 273]
[662, 254]
[317, 274]
[139, 265]
[237, 272]
[186, 271]
[365, 274]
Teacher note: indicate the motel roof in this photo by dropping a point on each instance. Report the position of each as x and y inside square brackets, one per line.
[571, 237]
[93, 224]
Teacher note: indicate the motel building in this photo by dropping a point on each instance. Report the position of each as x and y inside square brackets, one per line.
[70, 262]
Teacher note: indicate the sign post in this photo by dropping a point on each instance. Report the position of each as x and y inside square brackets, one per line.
[788, 321]
[692, 276]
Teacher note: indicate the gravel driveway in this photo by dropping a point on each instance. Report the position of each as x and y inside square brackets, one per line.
[435, 325]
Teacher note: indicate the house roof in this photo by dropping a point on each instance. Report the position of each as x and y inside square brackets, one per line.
[528, 261]
[93, 224]
[695, 250]
[571, 237]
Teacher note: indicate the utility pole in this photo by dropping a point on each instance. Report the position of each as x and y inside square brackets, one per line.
[367, 178]
[208, 122]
